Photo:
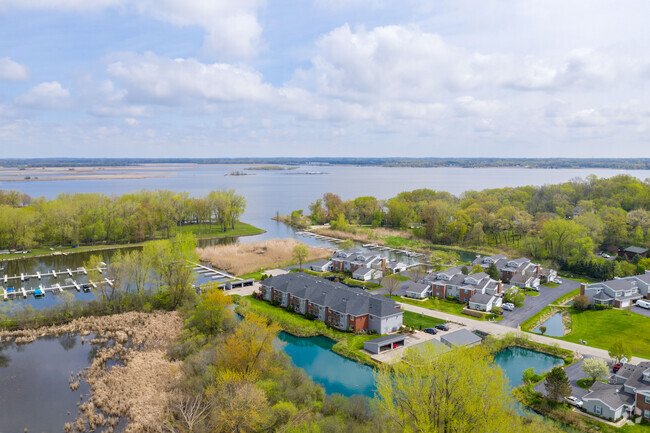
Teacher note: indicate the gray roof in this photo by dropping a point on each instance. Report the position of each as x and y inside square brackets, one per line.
[387, 339]
[320, 263]
[462, 337]
[635, 377]
[410, 286]
[612, 395]
[337, 296]
[643, 277]
[480, 298]
[602, 296]
[636, 250]
[620, 284]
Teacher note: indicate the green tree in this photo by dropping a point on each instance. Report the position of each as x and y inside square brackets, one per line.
[300, 253]
[493, 272]
[171, 260]
[346, 244]
[595, 368]
[476, 269]
[210, 316]
[620, 350]
[542, 330]
[557, 384]
[458, 391]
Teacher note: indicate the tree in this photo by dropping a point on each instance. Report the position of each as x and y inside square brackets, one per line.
[171, 260]
[557, 384]
[542, 330]
[459, 391]
[493, 272]
[346, 244]
[464, 270]
[443, 259]
[595, 368]
[250, 349]
[391, 283]
[211, 314]
[300, 253]
[476, 269]
[581, 302]
[620, 350]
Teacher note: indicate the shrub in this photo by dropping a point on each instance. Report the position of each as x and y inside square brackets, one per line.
[473, 313]
[581, 302]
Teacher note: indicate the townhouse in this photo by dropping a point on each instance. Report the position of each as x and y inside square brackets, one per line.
[478, 290]
[362, 266]
[519, 272]
[342, 307]
[627, 393]
[619, 292]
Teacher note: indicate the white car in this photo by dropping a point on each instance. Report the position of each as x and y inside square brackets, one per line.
[508, 306]
[574, 401]
[643, 304]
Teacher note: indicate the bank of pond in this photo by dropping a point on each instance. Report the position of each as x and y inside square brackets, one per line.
[36, 375]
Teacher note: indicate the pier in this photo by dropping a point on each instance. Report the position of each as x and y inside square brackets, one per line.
[40, 291]
[25, 277]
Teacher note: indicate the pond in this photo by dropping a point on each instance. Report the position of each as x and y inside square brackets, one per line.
[334, 372]
[554, 326]
[34, 383]
[514, 360]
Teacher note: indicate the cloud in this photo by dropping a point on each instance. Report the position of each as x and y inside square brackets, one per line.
[45, 96]
[12, 71]
[232, 27]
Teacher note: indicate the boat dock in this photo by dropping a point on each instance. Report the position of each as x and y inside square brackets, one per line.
[40, 291]
[53, 273]
[319, 237]
[213, 273]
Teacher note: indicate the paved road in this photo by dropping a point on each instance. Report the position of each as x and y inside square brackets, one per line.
[495, 328]
[534, 304]
[641, 311]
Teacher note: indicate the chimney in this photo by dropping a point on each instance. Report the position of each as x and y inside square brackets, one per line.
[583, 286]
[500, 287]
[539, 269]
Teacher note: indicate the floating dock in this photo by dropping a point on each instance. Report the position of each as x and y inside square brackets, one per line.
[53, 273]
[40, 291]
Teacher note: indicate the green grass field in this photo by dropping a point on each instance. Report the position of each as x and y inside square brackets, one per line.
[434, 304]
[416, 320]
[602, 328]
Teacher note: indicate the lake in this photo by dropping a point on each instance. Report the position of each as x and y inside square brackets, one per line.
[554, 326]
[514, 360]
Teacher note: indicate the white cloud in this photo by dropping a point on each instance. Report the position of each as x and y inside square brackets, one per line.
[12, 70]
[45, 96]
[232, 27]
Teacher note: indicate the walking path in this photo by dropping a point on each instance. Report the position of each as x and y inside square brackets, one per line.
[495, 328]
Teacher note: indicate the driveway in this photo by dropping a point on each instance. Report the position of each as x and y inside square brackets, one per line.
[639, 310]
[574, 373]
[534, 304]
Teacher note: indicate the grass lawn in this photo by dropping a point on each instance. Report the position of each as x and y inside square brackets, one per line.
[348, 344]
[587, 382]
[550, 284]
[420, 321]
[531, 293]
[602, 328]
[443, 305]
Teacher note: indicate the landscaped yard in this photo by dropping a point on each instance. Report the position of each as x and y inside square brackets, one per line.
[602, 328]
[348, 344]
[420, 321]
[443, 305]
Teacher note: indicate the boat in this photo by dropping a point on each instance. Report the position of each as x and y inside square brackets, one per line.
[38, 292]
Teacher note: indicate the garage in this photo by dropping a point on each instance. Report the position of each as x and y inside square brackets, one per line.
[385, 343]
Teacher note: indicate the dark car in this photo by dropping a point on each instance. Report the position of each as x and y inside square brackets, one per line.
[430, 331]
[442, 327]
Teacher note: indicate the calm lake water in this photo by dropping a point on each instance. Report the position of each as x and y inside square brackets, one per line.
[554, 326]
[34, 387]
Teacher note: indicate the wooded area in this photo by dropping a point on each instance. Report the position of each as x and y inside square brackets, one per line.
[565, 223]
[90, 219]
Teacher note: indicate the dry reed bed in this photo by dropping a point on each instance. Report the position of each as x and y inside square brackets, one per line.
[139, 387]
[240, 259]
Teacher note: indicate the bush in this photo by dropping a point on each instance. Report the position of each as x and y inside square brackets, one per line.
[473, 313]
[581, 302]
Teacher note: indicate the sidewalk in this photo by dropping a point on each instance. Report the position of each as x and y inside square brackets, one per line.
[496, 329]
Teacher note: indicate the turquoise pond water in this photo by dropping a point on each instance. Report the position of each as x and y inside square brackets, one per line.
[554, 326]
[344, 376]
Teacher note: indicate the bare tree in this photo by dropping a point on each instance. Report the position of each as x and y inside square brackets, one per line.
[391, 283]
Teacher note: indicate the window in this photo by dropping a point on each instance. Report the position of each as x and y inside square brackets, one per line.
[598, 410]
[646, 414]
[646, 398]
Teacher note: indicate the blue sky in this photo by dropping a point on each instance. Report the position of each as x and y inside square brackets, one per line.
[218, 78]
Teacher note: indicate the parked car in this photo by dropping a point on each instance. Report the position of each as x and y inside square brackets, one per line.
[430, 331]
[508, 306]
[574, 401]
[643, 304]
[442, 327]
[616, 367]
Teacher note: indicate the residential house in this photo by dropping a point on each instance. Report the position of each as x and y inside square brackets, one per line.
[453, 283]
[519, 272]
[619, 292]
[630, 252]
[395, 266]
[626, 393]
[356, 260]
[417, 290]
[321, 265]
[340, 306]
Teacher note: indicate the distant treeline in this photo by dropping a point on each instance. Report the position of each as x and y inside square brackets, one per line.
[565, 223]
[89, 219]
[618, 163]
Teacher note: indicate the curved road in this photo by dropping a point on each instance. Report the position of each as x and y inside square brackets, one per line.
[495, 328]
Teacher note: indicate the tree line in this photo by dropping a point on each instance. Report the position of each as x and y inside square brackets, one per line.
[568, 221]
[90, 219]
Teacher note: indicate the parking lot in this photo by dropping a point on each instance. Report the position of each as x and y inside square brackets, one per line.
[641, 311]
[411, 340]
[534, 304]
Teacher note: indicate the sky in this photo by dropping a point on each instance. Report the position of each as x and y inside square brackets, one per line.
[347, 78]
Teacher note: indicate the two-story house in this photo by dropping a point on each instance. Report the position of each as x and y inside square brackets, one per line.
[362, 266]
[626, 393]
[336, 304]
[519, 272]
[478, 290]
[619, 292]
